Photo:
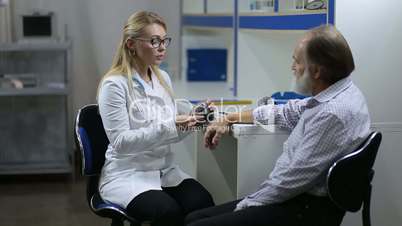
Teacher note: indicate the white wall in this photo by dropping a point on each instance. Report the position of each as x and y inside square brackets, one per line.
[374, 32]
[264, 62]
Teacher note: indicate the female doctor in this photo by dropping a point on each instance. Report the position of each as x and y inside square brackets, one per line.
[139, 117]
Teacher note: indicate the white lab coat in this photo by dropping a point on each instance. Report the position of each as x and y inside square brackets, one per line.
[140, 128]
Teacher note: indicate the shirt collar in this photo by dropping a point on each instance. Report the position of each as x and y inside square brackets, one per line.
[332, 91]
[137, 83]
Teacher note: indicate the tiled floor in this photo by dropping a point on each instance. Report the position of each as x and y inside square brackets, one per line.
[44, 200]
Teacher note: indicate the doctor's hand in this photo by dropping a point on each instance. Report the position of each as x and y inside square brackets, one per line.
[205, 109]
[214, 132]
[187, 122]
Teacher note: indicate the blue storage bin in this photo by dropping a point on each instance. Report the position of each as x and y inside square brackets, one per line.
[282, 98]
[206, 64]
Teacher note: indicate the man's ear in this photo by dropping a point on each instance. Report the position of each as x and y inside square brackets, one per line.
[315, 71]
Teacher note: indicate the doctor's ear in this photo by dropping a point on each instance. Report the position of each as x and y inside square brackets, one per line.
[130, 43]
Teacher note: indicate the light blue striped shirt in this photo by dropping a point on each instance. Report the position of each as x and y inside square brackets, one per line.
[323, 128]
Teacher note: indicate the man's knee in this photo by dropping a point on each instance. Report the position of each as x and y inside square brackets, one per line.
[192, 217]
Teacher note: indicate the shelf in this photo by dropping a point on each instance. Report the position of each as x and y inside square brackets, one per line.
[208, 20]
[208, 14]
[35, 168]
[207, 28]
[288, 20]
[39, 46]
[283, 13]
[33, 92]
[282, 22]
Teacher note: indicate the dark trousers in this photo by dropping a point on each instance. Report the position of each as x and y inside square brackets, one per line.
[169, 206]
[303, 210]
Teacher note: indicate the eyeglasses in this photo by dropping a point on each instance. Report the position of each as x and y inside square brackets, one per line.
[156, 42]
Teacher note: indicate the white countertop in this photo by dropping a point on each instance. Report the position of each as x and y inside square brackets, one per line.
[252, 129]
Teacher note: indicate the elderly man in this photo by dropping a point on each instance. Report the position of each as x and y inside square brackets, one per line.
[324, 127]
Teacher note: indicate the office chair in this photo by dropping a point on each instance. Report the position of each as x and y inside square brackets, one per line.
[349, 178]
[92, 141]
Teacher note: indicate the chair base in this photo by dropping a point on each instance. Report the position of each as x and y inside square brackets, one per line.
[117, 222]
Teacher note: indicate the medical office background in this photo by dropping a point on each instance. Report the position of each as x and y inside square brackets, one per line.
[258, 65]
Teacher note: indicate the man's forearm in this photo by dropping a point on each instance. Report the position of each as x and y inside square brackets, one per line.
[240, 117]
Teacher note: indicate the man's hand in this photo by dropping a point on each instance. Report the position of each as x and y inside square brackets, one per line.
[214, 133]
[216, 129]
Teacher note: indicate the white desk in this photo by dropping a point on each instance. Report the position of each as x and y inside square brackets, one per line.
[240, 163]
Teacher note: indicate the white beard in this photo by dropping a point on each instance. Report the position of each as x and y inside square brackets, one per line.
[302, 84]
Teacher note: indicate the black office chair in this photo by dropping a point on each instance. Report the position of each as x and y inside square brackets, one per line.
[92, 141]
[349, 178]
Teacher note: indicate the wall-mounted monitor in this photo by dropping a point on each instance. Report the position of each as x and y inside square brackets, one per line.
[37, 27]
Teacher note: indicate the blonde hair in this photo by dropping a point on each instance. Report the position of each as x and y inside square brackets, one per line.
[124, 59]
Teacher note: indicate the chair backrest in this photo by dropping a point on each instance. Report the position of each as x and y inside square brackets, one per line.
[91, 139]
[349, 178]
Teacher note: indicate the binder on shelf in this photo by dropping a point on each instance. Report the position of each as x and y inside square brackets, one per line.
[206, 64]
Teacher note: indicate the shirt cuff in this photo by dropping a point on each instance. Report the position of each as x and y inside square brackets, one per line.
[245, 203]
[264, 114]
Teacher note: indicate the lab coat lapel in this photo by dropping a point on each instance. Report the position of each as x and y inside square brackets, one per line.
[147, 89]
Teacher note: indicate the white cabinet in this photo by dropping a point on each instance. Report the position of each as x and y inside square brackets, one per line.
[34, 103]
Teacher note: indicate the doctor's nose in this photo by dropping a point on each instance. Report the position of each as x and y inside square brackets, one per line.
[161, 48]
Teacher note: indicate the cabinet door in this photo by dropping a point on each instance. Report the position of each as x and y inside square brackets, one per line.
[207, 64]
[33, 133]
